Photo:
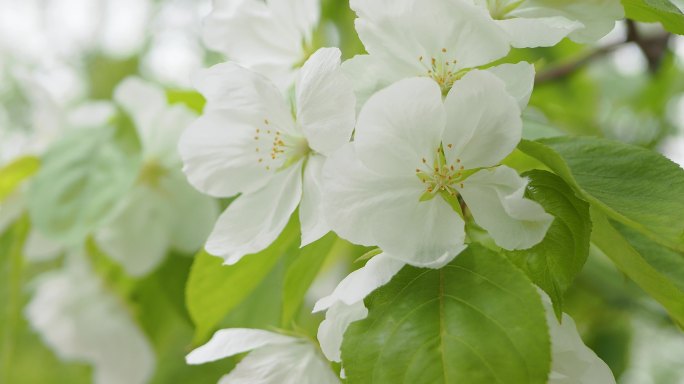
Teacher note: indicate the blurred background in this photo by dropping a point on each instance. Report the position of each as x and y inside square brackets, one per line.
[61, 61]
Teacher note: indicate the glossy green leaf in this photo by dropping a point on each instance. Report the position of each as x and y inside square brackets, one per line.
[214, 289]
[657, 271]
[477, 320]
[14, 173]
[302, 272]
[632, 185]
[554, 263]
[652, 11]
[80, 184]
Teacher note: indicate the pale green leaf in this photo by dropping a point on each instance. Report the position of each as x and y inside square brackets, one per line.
[477, 320]
[651, 11]
[14, 173]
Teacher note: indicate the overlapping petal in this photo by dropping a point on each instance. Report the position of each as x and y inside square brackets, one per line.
[311, 217]
[254, 220]
[518, 79]
[496, 199]
[538, 32]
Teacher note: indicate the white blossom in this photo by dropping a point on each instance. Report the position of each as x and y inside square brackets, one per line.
[416, 159]
[162, 210]
[248, 142]
[274, 358]
[272, 37]
[81, 321]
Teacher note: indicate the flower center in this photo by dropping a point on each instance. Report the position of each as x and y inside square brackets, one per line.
[443, 70]
[152, 173]
[278, 150]
[439, 177]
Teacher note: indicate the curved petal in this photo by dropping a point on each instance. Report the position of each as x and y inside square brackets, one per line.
[139, 236]
[368, 75]
[496, 199]
[293, 363]
[253, 221]
[233, 341]
[223, 155]
[538, 32]
[373, 209]
[399, 126]
[251, 33]
[229, 86]
[311, 216]
[446, 30]
[142, 101]
[572, 361]
[337, 319]
[325, 102]
[518, 78]
[377, 272]
[299, 15]
[597, 17]
[483, 121]
[81, 321]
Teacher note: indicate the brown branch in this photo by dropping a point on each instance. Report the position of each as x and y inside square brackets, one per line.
[653, 48]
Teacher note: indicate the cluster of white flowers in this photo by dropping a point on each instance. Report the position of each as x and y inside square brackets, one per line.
[395, 149]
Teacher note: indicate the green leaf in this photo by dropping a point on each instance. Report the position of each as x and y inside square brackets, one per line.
[477, 320]
[657, 270]
[14, 173]
[214, 289]
[302, 272]
[80, 183]
[633, 185]
[652, 11]
[554, 263]
[191, 99]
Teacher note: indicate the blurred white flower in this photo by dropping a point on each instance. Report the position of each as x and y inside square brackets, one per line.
[81, 321]
[248, 142]
[399, 185]
[161, 211]
[272, 37]
[544, 23]
[656, 354]
[274, 358]
[438, 39]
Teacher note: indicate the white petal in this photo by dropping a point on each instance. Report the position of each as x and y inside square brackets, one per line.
[251, 33]
[139, 236]
[299, 15]
[572, 361]
[518, 78]
[415, 28]
[337, 319]
[292, 363]
[483, 121]
[374, 209]
[253, 221]
[142, 101]
[311, 215]
[538, 32]
[81, 321]
[354, 288]
[399, 126]
[496, 199]
[246, 93]
[233, 341]
[368, 75]
[220, 156]
[596, 16]
[325, 102]
[195, 214]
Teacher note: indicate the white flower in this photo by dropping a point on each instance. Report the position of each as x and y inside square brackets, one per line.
[248, 142]
[544, 23]
[399, 184]
[162, 210]
[81, 321]
[274, 358]
[438, 39]
[272, 37]
[572, 362]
